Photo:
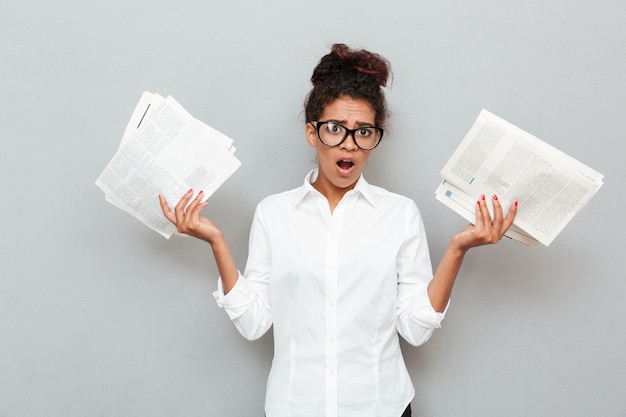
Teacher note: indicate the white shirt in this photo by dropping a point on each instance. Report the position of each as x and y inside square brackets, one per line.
[337, 288]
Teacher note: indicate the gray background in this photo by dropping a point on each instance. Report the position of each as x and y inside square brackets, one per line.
[100, 316]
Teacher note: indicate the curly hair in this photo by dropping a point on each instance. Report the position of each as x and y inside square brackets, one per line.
[358, 74]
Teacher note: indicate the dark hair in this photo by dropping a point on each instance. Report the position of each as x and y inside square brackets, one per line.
[358, 74]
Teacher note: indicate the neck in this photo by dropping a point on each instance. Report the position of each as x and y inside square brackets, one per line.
[332, 193]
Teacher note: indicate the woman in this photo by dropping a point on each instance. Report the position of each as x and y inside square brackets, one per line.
[337, 266]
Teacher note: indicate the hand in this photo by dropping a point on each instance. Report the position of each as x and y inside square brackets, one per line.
[485, 230]
[188, 220]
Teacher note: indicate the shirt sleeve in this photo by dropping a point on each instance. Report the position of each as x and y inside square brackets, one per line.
[417, 319]
[247, 303]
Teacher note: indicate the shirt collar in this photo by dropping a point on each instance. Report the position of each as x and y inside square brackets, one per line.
[362, 187]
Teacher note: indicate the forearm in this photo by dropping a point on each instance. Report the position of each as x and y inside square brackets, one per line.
[225, 263]
[485, 231]
[440, 287]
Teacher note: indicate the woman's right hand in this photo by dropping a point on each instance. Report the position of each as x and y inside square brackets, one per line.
[188, 220]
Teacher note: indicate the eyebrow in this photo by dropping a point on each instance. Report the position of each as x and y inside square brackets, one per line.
[357, 124]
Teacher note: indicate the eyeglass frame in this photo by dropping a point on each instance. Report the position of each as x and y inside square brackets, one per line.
[317, 126]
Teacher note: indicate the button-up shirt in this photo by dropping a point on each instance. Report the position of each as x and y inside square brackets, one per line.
[337, 288]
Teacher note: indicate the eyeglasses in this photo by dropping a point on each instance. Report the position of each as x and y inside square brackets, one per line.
[333, 134]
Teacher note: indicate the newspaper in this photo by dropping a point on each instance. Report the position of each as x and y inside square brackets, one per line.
[496, 157]
[164, 150]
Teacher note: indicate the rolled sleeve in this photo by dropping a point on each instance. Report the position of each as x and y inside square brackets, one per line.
[417, 318]
[238, 299]
[424, 314]
[250, 314]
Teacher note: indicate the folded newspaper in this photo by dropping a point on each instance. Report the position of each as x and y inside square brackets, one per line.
[496, 157]
[165, 150]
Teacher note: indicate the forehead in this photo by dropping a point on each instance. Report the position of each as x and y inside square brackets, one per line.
[348, 109]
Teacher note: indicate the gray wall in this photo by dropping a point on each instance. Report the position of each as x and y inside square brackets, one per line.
[100, 316]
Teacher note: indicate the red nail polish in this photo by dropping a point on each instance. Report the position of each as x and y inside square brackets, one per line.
[495, 197]
[190, 191]
[478, 202]
[482, 197]
[516, 204]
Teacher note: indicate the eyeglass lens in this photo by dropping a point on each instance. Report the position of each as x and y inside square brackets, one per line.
[332, 134]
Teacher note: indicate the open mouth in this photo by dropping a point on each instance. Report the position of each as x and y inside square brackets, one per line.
[345, 165]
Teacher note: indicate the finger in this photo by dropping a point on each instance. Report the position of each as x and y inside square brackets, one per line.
[167, 212]
[484, 210]
[498, 217]
[192, 212]
[179, 210]
[200, 196]
[197, 205]
[479, 214]
[194, 203]
[510, 217]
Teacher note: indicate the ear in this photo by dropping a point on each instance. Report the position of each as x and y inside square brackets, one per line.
[311, 135]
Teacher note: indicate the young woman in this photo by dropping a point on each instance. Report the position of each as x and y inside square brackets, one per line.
[338, 266]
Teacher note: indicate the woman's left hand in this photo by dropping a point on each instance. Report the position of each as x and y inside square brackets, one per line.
[486, 230]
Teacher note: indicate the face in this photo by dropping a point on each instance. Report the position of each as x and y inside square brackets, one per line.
[340, 166]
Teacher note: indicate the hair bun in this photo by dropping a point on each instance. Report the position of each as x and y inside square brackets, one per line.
[342, 59]
[344, 72]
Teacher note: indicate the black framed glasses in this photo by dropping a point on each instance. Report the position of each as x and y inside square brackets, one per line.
[333, 134]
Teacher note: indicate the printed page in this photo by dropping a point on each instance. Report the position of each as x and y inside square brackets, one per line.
[496, 157]
[147, 103]
[169, 153]
[465, 206]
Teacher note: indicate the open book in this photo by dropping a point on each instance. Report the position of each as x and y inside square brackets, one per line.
[164, 150]
[496, 157]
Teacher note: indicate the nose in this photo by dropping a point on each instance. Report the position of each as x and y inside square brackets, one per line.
[349, 142]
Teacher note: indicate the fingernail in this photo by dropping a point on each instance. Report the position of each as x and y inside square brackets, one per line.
[478, 202]
[516, 204]
[201, 192]
[190, 191]
[495, 197]
[482, 197]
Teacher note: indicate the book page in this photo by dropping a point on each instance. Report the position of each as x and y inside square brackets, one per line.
[465, 205]
[147, 103]
[496, 157]
[166, 152]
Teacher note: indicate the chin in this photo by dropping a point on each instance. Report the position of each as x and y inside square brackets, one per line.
[346, 182]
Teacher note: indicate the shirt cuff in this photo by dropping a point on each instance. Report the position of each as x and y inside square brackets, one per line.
[425, 315]
[236, 302]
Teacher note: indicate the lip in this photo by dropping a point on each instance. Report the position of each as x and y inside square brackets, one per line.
[342, 169]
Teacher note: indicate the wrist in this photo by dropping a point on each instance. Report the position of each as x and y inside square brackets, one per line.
[457, 248]
[216, 240]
